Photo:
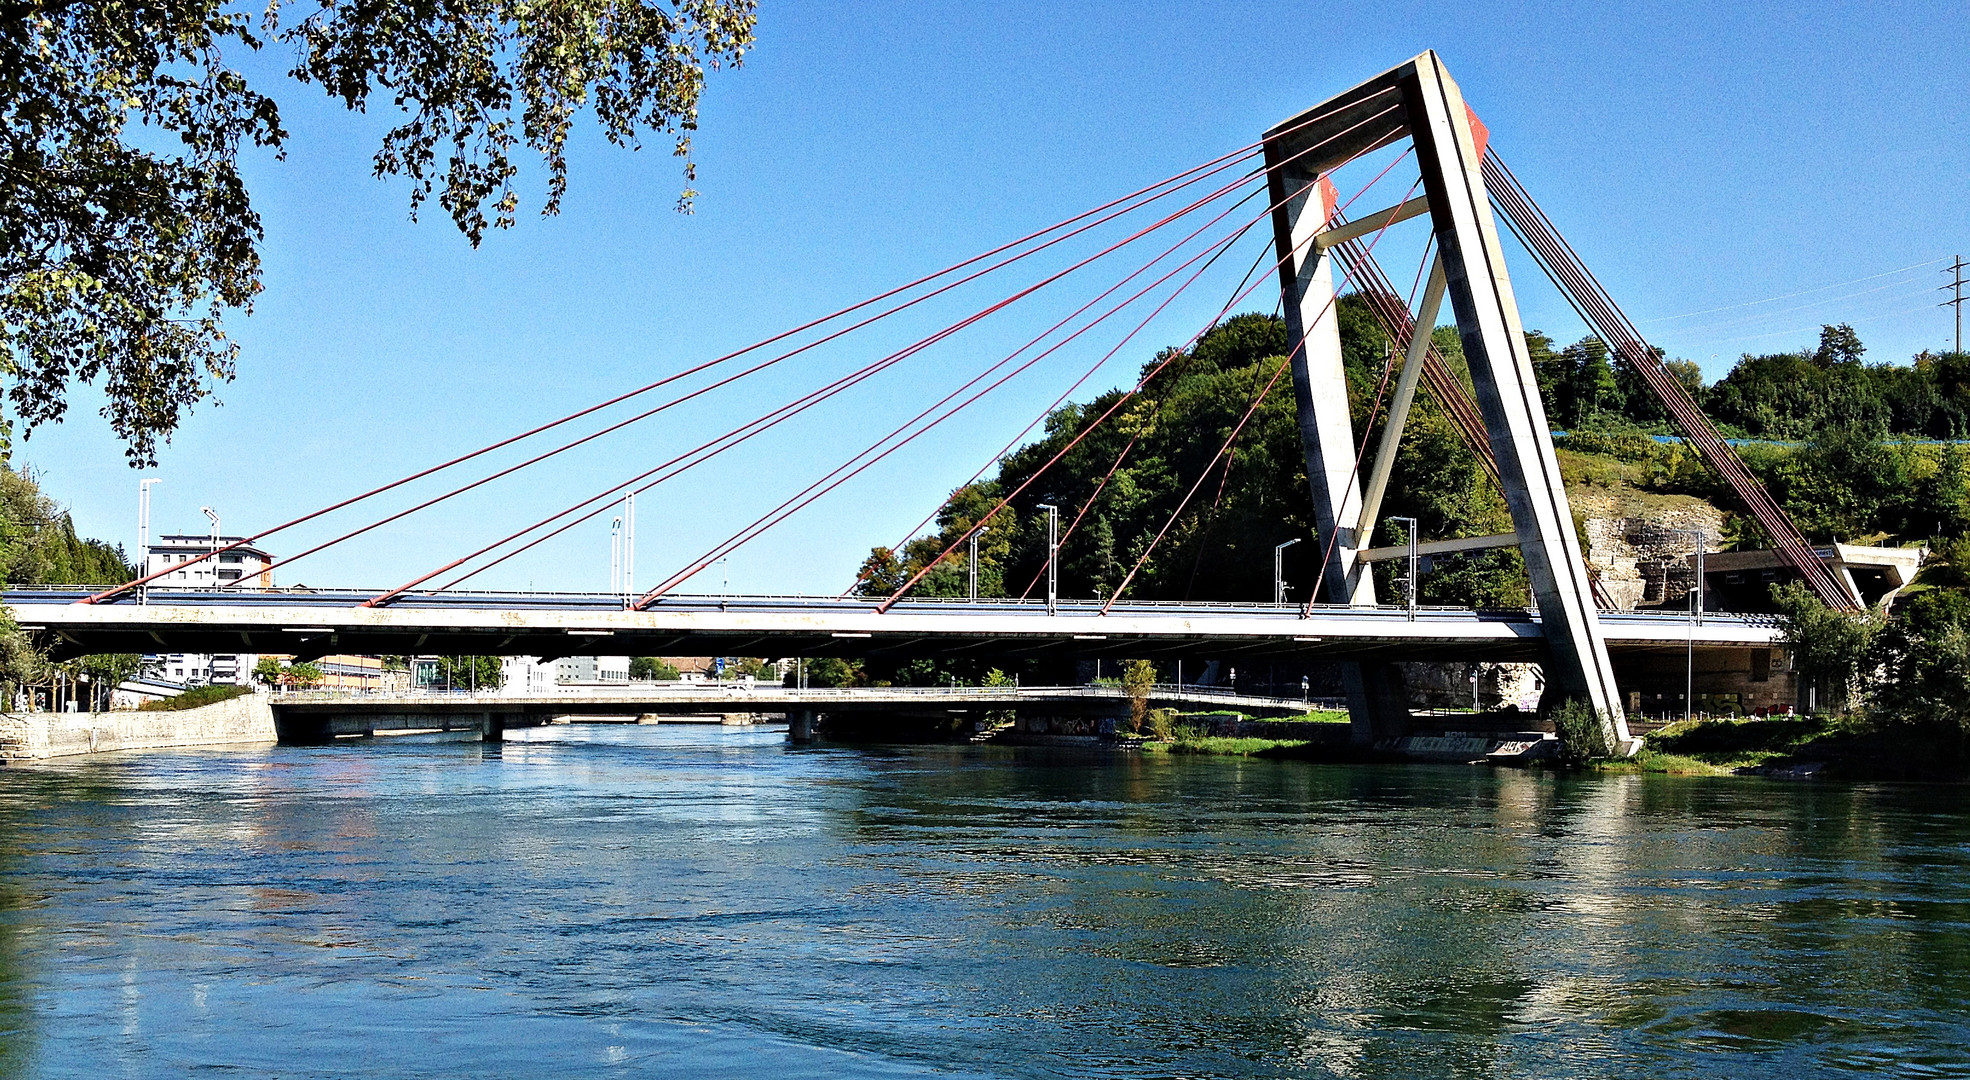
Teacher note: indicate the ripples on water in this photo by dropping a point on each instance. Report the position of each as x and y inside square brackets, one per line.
[710, 902]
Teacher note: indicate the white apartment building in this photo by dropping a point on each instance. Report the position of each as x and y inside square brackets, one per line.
[248, 562]
[222, 569]
[525, 675]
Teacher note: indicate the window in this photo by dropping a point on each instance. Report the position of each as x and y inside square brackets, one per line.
[1761, 665]
[230, 558]
[228, 574]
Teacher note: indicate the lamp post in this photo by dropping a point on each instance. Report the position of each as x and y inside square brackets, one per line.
[615, 557]
[975, 534]
[1409, 526]
[143, 535]
[1696, 620]
[1053, 556]
[1279, 570]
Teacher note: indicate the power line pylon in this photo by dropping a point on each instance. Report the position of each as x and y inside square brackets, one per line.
[1956, 301]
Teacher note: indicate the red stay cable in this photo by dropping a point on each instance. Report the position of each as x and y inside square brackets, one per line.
[879, 365]
[808, 495]
[386, 597]
[1193, 176]
[972, 382]
[1249, 413]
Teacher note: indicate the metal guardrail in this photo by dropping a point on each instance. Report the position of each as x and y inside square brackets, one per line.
[664, 691]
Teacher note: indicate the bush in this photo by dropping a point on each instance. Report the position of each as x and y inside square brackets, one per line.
[195, 697]
[1582, 730]
[1161, 722]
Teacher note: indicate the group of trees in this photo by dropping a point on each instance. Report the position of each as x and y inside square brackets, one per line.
[1250, 499]
[127, 234]
[1790, 396]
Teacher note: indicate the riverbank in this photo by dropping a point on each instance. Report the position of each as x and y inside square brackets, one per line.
[39, 736]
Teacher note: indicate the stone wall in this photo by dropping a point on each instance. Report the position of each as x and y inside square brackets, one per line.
[36, 736]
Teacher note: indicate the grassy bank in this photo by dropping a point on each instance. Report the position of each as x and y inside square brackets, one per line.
[1846, 747]
[1223, 745]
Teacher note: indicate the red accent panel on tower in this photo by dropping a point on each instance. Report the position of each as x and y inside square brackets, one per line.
[1478, 131]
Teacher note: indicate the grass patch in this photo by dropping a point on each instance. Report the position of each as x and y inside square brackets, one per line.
[1318, 716]
[195, 697]
[1722, 747]
[1225, 747]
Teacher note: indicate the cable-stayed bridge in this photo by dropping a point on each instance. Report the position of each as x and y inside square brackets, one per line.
[314, 624]
[1148, 248]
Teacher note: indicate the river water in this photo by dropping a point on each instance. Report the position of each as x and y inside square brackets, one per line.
[711, 902]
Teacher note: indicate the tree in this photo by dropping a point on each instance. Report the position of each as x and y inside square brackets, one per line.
[267, 671]
[1138, 679]
[649, 668]
[470, 672]
[121, 253]
[1828, 647]
[301, 676]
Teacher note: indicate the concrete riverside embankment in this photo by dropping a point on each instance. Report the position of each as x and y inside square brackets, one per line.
[38, 736]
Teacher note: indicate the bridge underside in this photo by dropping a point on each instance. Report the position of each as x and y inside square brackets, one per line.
[319, 624]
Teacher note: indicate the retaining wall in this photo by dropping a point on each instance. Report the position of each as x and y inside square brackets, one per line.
[36, 736]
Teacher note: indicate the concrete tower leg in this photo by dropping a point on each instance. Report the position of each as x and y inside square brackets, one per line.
[1378, 705]
[1450, 153]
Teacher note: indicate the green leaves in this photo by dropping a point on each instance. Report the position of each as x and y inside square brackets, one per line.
[126, 233]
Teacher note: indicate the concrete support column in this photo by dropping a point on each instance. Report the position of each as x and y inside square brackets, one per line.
[800, 726]
[492, 728]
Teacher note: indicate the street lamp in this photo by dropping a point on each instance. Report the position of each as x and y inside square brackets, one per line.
[1696, 620]
[615, 557]
[1053, 556]
[143, 535]
[1409, 526]
[975, 534]
[1279, 570]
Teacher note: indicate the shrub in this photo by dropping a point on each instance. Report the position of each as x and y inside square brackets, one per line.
[195, 697]
[1582, 730]
[1162, 723]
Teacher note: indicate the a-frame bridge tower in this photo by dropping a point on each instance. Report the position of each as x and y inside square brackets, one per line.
[1419, 101]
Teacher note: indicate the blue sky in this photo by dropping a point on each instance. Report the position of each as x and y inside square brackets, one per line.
[1702, 158]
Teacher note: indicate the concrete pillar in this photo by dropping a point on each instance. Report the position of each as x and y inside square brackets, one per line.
[800, 726]
[492, 728]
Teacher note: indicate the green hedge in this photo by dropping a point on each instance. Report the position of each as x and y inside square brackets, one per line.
[196, 696]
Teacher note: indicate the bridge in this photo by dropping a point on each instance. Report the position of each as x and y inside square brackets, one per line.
[1413, 116]
[551, 625]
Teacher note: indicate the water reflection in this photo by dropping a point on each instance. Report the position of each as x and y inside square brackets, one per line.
[711, 901]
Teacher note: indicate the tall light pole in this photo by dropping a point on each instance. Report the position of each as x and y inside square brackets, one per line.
[629, 545]
[1696, 620]
[1053, 556]
[1279, 570]
[214, 516]
[1409, 527]
[615, 557]
[975, 534]
[143, 534]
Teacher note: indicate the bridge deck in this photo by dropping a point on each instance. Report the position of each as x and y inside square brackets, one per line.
[316, 623]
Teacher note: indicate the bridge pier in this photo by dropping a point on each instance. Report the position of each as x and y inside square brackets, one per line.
[800, 726]
[1378, 702]
[492, 727]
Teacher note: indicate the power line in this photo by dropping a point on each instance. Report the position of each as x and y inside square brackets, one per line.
[1790, 295]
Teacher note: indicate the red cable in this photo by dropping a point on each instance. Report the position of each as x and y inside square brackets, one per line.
[1213, 167]
[386, 597]
[1030, 425]
[1133, 439]
[809, 493]
[872, 369]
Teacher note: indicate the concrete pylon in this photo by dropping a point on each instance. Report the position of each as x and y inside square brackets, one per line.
[1419, 101]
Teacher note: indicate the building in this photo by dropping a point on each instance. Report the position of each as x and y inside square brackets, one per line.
[524, 675]
[244, 562]
[225, 568]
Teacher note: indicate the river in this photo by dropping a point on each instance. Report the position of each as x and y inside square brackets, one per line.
[594, 901]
